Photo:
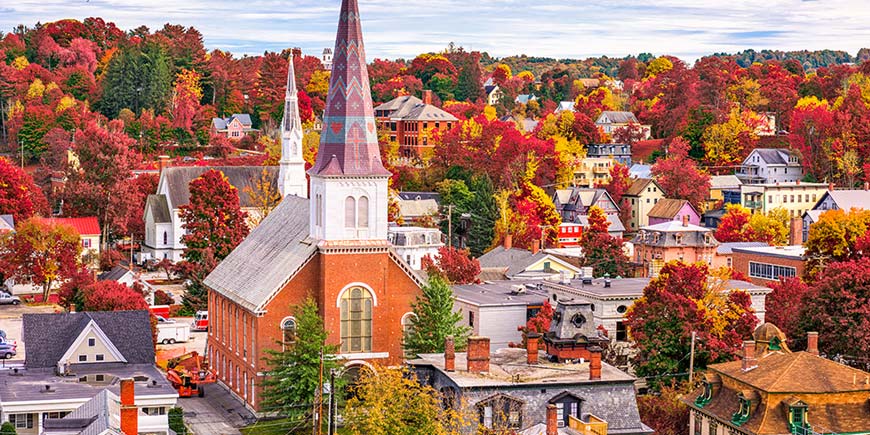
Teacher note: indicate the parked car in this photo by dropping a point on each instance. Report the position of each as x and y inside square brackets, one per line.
[6, 298]
[163, 320]
[7, 350]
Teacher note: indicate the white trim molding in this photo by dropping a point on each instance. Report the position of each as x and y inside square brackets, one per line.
[356, 284]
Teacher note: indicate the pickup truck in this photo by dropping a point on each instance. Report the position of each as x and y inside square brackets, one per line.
[6, 299]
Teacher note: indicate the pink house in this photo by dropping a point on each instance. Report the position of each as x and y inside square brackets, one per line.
[667, 210]
[235, 127]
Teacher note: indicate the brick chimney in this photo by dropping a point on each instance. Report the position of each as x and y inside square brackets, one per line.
[866, 185]
[813, 343]
[685, 220]
[508, 241]
[831, 186]
[163, 162]
[796, 231]
[427, 97]
[594, 363]
[449, 354]
[552, 420]
[72, 308]
[749, 361]
[478, 355]
[129, 412]
[532, 341]
[536, 246]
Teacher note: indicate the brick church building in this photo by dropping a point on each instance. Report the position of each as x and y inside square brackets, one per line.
[332, 246]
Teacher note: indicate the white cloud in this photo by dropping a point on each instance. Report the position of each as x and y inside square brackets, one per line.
[556, 28]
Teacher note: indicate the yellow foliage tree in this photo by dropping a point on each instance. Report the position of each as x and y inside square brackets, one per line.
[310, 145]
[773, 227]
[526, 76]
[319, 83]
[723, 142]
[20, 63]
[65, 102]
[658, 66]
[391, 401]
[36, 90]
[811, 102]
[490, 113]
[264, 196]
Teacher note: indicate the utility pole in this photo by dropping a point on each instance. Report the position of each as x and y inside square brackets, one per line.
[450, 226]
[131, 252]
[331, 419]
[318, 401]
[692, 358]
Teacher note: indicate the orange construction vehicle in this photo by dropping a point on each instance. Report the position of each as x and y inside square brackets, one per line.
[188, 373]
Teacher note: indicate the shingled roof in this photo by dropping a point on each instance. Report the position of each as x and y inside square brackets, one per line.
[616, 117]
[638, 186]
[49, 336]
[177, 180]
[269, 257]
[159, 208]
[667, 208]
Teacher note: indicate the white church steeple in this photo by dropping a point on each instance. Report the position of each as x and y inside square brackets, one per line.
[291, 176]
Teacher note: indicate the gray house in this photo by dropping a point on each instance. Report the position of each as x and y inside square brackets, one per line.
[836, 200]
[621, 152]
[770, 166]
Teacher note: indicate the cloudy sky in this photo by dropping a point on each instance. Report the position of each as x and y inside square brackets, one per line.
[551, 28]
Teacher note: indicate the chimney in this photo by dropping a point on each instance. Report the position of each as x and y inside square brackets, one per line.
[797, 182]
[532, 347]
[813, 343]
[478, 355]
[552, 420]
[427, 97]
[163, 162]
[685, 220]
[508, 241]
[866, 185]
[594, 363]
[831, 186]
[129, 412]
[536, 246]
[796, 231]
[72, 308]
[749, 361]
[449, 354]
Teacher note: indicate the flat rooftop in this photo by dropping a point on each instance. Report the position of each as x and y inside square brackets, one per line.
[28, 385]
[629, 288]
[795, 252]
[502, 293]
[507, 366]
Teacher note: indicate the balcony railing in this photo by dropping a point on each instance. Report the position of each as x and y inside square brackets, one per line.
[594, 425]
[753, 204]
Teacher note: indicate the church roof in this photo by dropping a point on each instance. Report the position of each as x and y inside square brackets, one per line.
[270, 255]
[291, 122]
[349, 141]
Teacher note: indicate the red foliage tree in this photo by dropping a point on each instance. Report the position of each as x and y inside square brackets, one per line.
[838, 308]
[541, 322]
[19, 195]
[734, 226]
[454, 264]
[112, 296]
[783, 304]
[679, 176]
[213, 219]
[42, 253]
[601, 251]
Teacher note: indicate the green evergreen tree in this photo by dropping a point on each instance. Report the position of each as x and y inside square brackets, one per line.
[484, 213]
[294, 369]
[435, 320]
[136, 79]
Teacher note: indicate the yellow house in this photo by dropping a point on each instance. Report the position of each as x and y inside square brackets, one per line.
[642, 196]
[592, 171]
[796, 198]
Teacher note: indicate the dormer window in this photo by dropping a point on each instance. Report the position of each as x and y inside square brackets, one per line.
[745, 411]
[797, 418]
[775, 344]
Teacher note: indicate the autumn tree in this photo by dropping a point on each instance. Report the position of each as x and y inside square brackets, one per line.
[783, 305]
[71, 291]
[620, 181]
[294, 365]
[264, 196]
[453, 264]
[19, 195]
[434, 320]
[665, 412]
[629, 134]
[382, 400]
[681, 300]
[734, 225]
[836, 307]
[679, 176]
[186, 98]
[112, 296]
[601, 251]
[834, 238]
[41, 253]
[215, 224]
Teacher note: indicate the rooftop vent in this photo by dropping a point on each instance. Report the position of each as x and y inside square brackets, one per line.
[518, 289]
[47, 389]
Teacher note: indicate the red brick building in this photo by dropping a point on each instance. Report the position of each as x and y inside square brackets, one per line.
[412, 122]
[332, 246]
[766, 264]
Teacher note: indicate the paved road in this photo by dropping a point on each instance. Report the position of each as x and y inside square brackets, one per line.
[218, 413]
[10, 322]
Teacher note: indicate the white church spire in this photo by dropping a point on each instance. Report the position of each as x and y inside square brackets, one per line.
[291, 177]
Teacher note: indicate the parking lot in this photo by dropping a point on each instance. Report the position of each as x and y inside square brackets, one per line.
[10, 322]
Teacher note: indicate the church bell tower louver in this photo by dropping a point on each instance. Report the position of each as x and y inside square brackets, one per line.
[291, 174]
[348, 181]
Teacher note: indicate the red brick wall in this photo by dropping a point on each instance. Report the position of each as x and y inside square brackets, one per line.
[740, 263]
[323, 278]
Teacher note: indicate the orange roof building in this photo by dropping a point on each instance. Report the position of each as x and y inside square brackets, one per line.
[773, 391]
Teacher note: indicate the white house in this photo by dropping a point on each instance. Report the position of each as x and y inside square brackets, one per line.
[414, 243]
[610, 121]
[770, 166]
[836, 200]
[163, 225]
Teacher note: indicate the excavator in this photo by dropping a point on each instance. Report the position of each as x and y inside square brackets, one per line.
[188, 373]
